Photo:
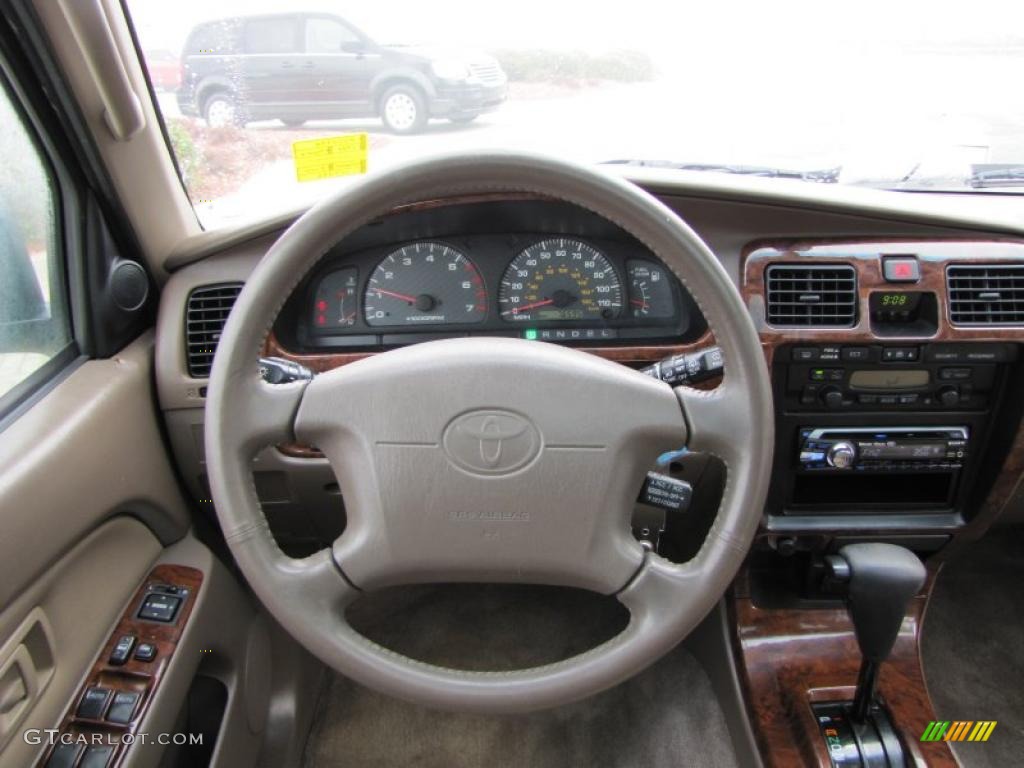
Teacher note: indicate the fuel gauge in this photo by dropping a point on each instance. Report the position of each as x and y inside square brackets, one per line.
[650, 290]
[336, 302]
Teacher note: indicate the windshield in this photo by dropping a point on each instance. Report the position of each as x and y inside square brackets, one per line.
[269, 106]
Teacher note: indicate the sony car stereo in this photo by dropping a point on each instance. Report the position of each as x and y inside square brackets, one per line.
[887, 449]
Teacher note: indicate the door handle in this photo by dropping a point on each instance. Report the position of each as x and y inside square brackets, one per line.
[27, 663]
[15, 685]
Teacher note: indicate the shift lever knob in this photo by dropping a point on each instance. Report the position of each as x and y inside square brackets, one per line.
[883, 578]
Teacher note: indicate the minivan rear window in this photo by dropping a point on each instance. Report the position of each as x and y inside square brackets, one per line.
[218, 37]
[273, 35]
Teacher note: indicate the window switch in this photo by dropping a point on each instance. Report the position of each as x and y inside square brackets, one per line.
[97, 756]
[145, 652]
[64, 755]
[123, 650]
[123, 707]
[93, 703]
[157, 607]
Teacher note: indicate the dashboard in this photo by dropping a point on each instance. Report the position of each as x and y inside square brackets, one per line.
[554, 273]
[909, 357]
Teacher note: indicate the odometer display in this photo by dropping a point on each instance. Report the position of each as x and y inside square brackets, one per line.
[560, 279]
[425, 283]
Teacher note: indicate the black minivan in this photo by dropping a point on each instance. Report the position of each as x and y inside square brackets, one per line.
[312, 66]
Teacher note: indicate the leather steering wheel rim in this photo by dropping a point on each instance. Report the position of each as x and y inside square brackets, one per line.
[308, 596]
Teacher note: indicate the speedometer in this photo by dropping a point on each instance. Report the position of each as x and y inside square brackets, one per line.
[560, 279]
[425, 283]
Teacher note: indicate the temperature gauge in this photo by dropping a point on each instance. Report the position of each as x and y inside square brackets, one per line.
[336, 302]
[650, 290]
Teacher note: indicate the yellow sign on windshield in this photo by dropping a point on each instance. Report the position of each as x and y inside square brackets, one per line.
[333, 156]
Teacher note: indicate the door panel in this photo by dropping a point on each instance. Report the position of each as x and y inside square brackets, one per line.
[87, 503]
[89, 449]
[77, 599]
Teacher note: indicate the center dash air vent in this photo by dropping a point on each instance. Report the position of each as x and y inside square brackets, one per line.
[986, 294]
[205, 315]
[811, 295]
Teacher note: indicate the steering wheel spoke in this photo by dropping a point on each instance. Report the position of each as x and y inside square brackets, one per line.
[718, 421]
[264, 413]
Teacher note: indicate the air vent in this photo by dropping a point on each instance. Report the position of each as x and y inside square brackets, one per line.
[986, 294]
[207, 311]
[812, 295]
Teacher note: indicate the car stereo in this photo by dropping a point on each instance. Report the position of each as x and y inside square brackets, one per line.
[899, 377]
[886, 449]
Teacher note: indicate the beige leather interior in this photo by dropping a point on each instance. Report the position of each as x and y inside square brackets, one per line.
[87, 493]
[104, 476]
[78, 599]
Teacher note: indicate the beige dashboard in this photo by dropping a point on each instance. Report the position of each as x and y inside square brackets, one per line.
[299, 493]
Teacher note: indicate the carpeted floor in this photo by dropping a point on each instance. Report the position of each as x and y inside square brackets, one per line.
[667, 716]
[974, 646]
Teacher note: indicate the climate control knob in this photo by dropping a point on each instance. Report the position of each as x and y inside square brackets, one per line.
[841, 454]
[832, 397]
[949, 396]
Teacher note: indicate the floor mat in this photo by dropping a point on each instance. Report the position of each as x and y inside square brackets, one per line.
[667, 716]
[973, 635]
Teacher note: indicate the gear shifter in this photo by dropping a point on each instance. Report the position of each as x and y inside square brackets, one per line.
[881, 579]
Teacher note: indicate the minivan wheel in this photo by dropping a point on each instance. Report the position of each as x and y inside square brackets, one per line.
[220, 110]
[403, 109]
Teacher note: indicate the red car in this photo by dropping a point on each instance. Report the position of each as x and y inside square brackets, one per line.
[164, 70]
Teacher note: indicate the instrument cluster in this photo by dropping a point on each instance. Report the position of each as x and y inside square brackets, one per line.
[557, 288]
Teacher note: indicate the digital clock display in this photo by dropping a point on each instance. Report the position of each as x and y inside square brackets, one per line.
[895, 301]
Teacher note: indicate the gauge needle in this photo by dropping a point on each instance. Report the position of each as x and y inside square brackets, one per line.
[638, 303]
[517, 310]
[402, 296]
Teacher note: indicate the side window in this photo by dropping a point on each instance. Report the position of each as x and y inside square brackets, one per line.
[219, 37]
[327, 36]
[34, 324]
[274, 35]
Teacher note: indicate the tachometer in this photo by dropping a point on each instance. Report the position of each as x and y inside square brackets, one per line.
[425, 283]
[560, 279]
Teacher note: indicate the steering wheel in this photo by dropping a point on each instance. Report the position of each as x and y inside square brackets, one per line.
[487, 459]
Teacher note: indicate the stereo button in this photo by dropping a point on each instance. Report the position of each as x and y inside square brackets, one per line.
[899, 354]
[954, 374]
[856, 354]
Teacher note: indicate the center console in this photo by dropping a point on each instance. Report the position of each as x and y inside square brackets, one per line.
[896, 371]
[883, 434]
